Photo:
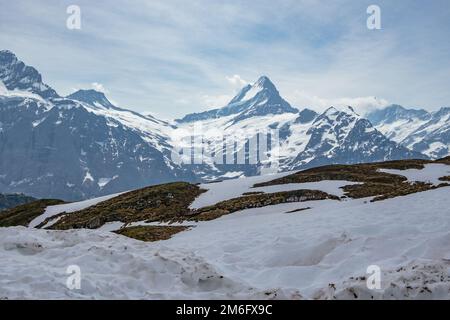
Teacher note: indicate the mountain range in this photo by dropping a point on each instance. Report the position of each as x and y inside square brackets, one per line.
[82, 145]
[417, 129]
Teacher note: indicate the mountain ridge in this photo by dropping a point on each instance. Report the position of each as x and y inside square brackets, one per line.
[417, 129]
[82, 145]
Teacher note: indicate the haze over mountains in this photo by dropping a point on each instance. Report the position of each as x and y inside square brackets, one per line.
[82, 145]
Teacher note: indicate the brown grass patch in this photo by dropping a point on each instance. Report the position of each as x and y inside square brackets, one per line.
[445, 160]
[373, 183]
[258, 201]
[22, 215]
[166, 202]
[151, 233]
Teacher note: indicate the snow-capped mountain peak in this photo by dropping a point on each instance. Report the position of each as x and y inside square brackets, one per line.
[262, 85]
[82, 145]
[259, 92]
[337, 136]
[417, 129]
[335, 115]
[259, 99]
[17, 76]
[264, 82]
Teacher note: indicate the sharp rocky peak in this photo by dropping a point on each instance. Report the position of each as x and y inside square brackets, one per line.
[263, 86]
[264, 82]
[16, 75]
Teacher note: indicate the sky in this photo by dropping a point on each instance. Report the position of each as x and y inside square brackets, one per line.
[171, 57]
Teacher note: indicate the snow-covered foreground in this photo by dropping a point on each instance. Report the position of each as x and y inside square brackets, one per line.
[256, 253]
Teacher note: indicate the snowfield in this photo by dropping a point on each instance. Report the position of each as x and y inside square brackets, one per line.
[229, 189]
[322, 252]
[429, 174]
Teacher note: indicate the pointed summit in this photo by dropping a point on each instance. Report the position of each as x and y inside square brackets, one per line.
[18, 76]
[258, 99]
[263, 84]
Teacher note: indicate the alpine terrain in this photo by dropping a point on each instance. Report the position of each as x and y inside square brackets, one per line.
[417, 129]
[83, 146]
[312, 234]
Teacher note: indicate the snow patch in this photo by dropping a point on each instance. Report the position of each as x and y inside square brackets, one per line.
[429, 174]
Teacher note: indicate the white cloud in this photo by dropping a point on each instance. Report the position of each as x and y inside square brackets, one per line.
[236, 81]
[324, 49]
[362, 105]
[98, 87]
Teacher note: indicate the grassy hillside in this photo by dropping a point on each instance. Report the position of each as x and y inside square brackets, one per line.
[170, 202]
[165, 202]
[257, 201]
[22, 215]
[374, 183]
[445, 160]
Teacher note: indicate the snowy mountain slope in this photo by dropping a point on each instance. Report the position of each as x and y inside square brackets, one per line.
[156, 132]
[419, 130]
[306, 139]
[256, 253]
[345, 137]
[73, 149]
[433, 137]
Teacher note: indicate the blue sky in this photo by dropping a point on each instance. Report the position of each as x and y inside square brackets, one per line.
[174, 57]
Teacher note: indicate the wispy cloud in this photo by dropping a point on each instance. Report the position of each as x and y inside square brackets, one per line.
[174, 57]
[362, 105]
